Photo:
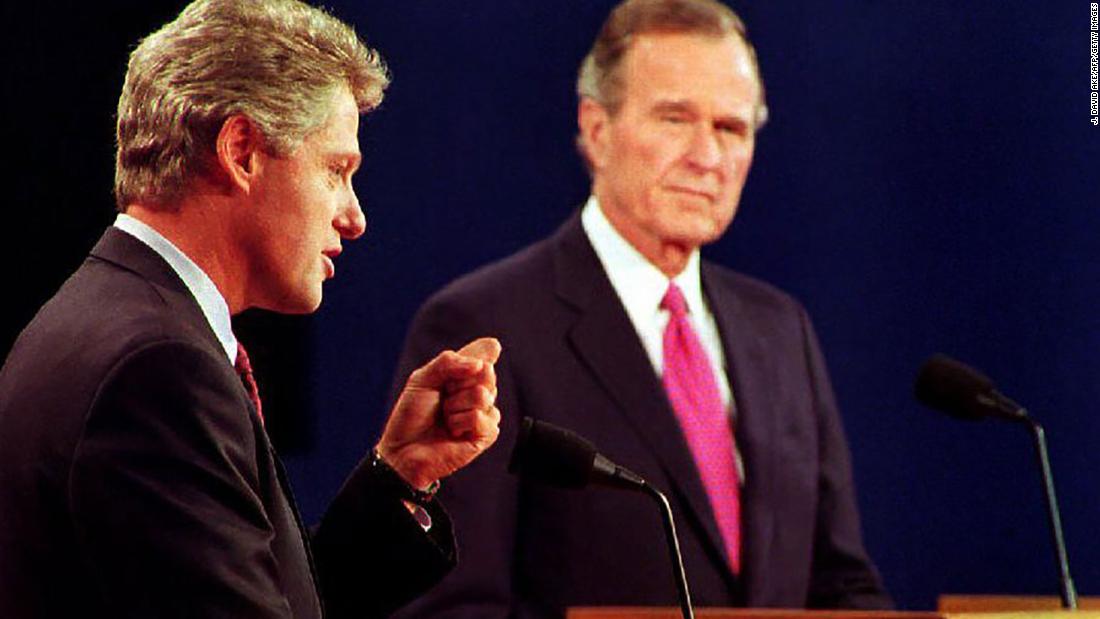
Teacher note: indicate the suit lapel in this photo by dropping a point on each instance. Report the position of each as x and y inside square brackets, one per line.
[131, 254]
[127, 252]
[750, 375]
[303, 533]
[605, 341]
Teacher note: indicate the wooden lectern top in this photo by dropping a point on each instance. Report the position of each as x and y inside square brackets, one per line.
[751, 613]
[743, 613]
[970, 603]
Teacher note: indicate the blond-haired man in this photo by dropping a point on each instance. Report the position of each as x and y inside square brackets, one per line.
[136, 478]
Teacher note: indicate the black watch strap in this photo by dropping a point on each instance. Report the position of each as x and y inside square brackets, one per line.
[404, 489]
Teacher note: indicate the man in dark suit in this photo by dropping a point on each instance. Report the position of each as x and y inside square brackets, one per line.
[136, 477]
[709, 384]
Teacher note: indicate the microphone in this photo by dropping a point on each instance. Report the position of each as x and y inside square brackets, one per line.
[558, 457]
[548, 454]
[959, 390]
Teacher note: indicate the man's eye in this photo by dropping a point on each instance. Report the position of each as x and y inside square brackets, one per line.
[734, 129]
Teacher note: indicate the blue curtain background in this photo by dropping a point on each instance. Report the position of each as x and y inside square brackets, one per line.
[928, 182]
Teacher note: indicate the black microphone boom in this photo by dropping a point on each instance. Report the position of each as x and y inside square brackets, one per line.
[961, 391]
[558, 457]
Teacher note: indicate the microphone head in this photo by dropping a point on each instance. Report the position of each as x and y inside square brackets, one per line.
[961, 391]
[552, 455]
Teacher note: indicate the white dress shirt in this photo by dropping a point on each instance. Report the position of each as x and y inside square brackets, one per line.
[210, 300]
[641, 286]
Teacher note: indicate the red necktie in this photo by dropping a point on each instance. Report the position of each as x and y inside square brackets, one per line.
[693, 392]
[244, 368]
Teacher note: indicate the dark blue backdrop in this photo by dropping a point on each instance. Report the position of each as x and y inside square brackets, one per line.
[928, 182]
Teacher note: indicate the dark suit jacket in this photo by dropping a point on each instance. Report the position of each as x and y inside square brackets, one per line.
[572, 357]
[137, 481]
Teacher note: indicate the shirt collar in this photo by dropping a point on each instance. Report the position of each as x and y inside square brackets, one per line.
[210, 300]
[639, 283]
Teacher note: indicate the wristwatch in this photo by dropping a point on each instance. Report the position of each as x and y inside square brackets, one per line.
[393, 480]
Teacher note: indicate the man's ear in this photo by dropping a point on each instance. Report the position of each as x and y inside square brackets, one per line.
[593, 121]
[238, 148]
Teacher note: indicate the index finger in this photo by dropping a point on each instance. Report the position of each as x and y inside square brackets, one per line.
[487, 377]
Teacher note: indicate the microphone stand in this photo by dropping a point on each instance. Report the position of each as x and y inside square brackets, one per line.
[548, 454]
[1068, 591]
[962, 391]
[673, 551]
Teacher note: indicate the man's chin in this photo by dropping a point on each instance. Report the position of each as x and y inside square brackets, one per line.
[295, 305]
[697, 234]
[309, 306]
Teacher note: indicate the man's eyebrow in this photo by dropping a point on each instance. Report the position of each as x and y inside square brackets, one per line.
[672, 105]
[734, 121]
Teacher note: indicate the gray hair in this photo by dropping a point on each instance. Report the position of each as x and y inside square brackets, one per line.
[600, 78]
[277, 62]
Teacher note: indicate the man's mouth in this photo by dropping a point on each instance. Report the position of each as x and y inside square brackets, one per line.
[329, 256]
[702, 194]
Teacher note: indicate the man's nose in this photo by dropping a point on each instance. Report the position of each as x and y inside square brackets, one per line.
[350, 221]
[705, 150]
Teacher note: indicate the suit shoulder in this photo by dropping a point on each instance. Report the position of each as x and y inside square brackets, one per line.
[97, 317]
[520, 273]
[750, 290]
[105, 329]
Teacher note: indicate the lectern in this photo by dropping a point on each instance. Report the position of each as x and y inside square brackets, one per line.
[749, 613]
[742, 613]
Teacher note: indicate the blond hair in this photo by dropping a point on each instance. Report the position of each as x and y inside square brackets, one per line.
[277, 62]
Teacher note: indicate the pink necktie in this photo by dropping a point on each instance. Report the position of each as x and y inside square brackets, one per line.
[244, 368]
[693, 392]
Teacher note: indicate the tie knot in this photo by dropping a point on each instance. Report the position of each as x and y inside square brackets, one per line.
[242, 365]
[673, 300]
